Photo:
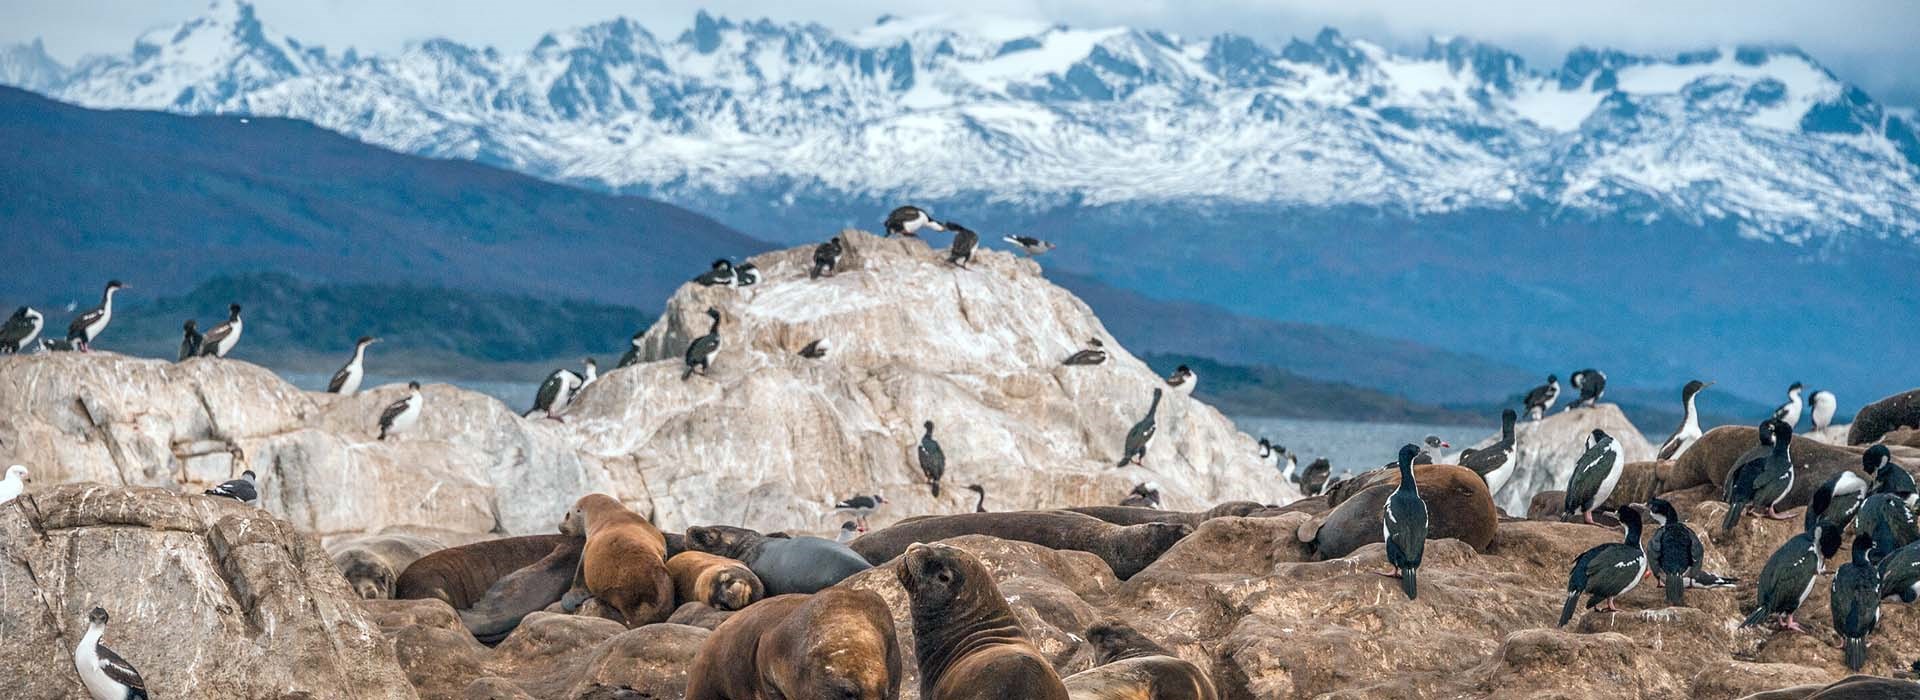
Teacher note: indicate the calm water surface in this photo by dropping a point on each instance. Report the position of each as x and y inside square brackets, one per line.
[1353, 446]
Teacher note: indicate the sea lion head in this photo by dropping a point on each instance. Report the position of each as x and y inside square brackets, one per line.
[574, 523]
[1113, 640]
[370, 576]
[939, 576]
[734, 588]
[726, 541]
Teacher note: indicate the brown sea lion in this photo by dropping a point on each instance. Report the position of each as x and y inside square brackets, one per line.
[698, 614]
[1457, 501]
[723, 583]
[838, 643]
[784, 564]
[968, 642]
[1876, 419]
[461, 575]
[624, 563]
[1134, 515]
[527, 590]
[1129, 666]
[1721, 449]
[373, 563]
[1126, 549]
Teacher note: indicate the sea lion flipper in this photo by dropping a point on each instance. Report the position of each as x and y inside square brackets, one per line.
[577, 594]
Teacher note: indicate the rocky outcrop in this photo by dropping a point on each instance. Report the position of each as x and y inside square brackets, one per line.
[1545, 450]
[209, 598]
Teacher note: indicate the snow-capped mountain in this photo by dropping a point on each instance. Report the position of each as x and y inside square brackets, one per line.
[1023, 114]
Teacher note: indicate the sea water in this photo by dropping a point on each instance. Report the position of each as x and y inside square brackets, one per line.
[1352, 446]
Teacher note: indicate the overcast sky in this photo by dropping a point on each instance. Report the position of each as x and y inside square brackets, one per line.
[1875, 43]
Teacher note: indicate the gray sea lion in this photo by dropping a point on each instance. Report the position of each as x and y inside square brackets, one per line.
[527, 590]
[723, 583]
[1869, 688]
[784, 564]
[1125, 549]
[839, 643]
[1129, 666]
[461, 575]
[1134, 515]
[1457, 501]
[624, 563]
[373, 563]
[968, 643]
[1876, 419]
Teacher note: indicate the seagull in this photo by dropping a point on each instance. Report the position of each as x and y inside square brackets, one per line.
[848, 531]
[1095, 353]
[244, 489]
[15, 483]
[861, 507]
[1145, 495]
[1028, 244]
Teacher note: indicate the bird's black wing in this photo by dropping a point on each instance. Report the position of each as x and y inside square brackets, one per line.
[79, 325]
[339, 380]
[236, 489]
[17, 327]
[393, 411]
[1407, 526]
[118, 669]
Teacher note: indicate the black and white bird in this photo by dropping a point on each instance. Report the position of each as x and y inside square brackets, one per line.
[826, 257]
[1145, 495]
[1183, 379]
[848, 531]
[980, 500]
[1430, 447]
[1292, 462]
[1594, 476]
[964, 243]
[1889, 477]
[591, 372]
[1820, 407]
[105, 675]
[1844, 493]
[22, 327]
[1313, 479]
[1674, 553]
[1855, 602]
[14, 484]
[1141, 435]
[1404, 523]
[1592, 384]
[632, 356]
[1689, 431]
[719, 274]
[933, 462]
[1028, 244]
[191, 341]
[346, 382]
[1763, 481]
[1788, 575]
[1607, 571]
[1789, 412]
[88, 326]
[816, 349]
[1541, 398]
[701, 351]
[1266, 449]
[245, 489]
[220, 339]
[555, 393]
[908, 220]
[861, 508]
[1095, 353]
[402, 415]
[1494, 463]
[746, 275]
[1900, 574]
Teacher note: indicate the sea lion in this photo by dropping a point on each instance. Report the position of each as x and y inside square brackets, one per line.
[1126, 549]
[698, 614]
[1134, 515]
[1868, 688]
[1129, 666]
[1876, 419]
[461, 575]
[968, 643]
[1457, 501]
[624, 563]
[839, 643]
[527, 590]
[784, 564]
[718, 581]
[373, 563]
[1814, 462]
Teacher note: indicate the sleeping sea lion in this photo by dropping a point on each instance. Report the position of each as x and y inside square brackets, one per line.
[373, 563]
[1129, 666]
[839, 643]
[723, 583]
[461, 575]
[527, 590]
[1456, 498]
[784, 564]
[1126, 549]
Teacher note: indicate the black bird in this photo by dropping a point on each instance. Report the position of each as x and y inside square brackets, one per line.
[1032, 246]
[632, 355]
[701, 350]
[907, 221]
[861, 507]
[1607, 571]
[1594, 477]
[22, 327]
[964, 241]
[933, 462]
[1541, 398]
[1765, 480]
[1788, 575]
[1674, 552]
[1844, 493]
[1900, 574]
[88, 326]
[103, 673]
[1494, 463]
[1887, 476]
[1313, 479]
[979, 504]
[1141, 435]
[1592, 383]
[244, 489]
[1405, 523]
[815, 350]
[1145, 495]
[190, 340]
[826, 257]
[1266, 448]
[1689, 430]
[1886, 515]
[720, 274]
[1855, 602]
[221, 338]
[555, 393]
[1095, 353]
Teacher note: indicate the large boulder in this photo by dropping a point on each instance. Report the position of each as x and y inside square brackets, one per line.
[209, 598]
[1545, 450]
